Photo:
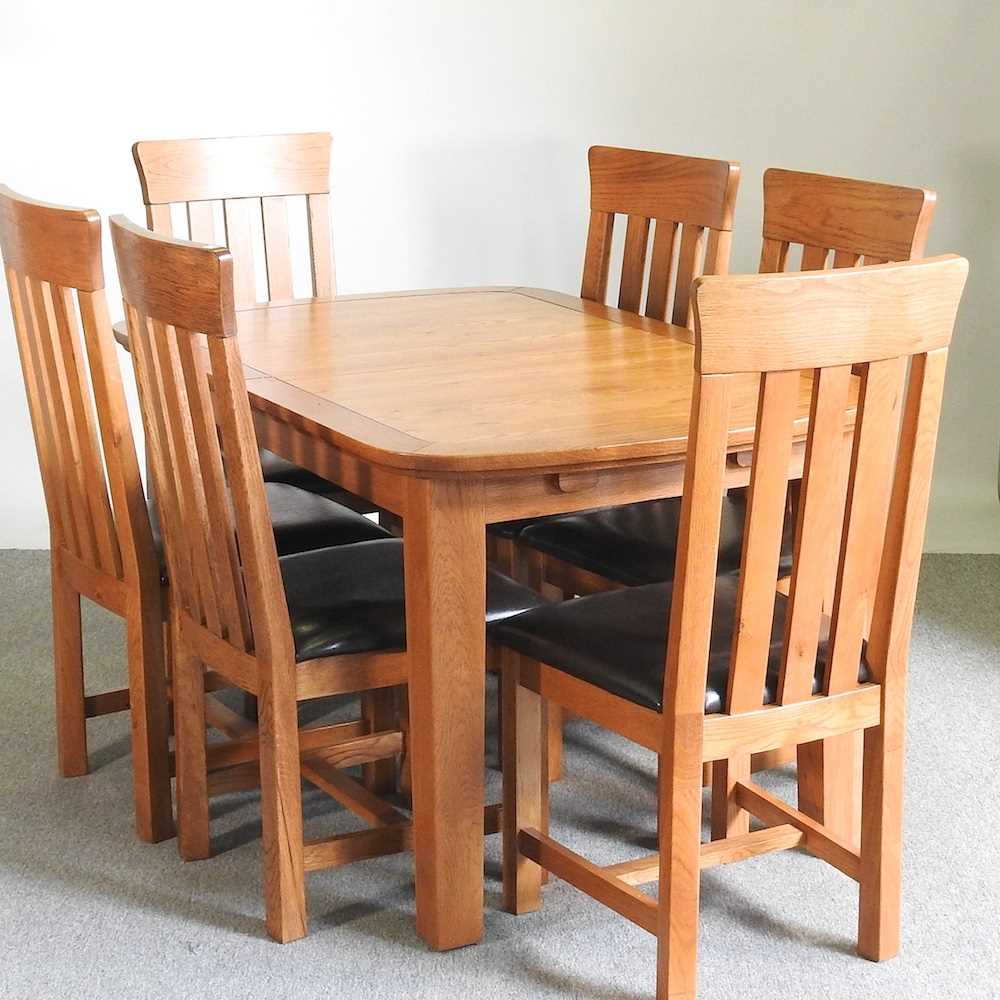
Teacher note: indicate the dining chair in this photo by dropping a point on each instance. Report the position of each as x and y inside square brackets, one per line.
[678, 213]
[285, 629]
[268, 199]
[100, 540]
[811, 219]
[105, 540]
[719, 666]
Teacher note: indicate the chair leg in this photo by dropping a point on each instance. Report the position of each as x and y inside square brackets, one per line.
[189, 745]
[71, 712]
[829, 782]
[403, 716]
[525, 785]
[555, 740]
[728, 819]
[680, 851]
[281, 808]
[378, 709]
[249, 708]
[150, 711]
[881, 847]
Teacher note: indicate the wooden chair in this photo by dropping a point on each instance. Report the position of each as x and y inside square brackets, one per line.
[305, 626]
[65, 375]
[101, 543]
[811, 219]
[680, 206]
[697, 693]
[245, 192]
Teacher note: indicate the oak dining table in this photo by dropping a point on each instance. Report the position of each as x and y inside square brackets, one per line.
[455, 409]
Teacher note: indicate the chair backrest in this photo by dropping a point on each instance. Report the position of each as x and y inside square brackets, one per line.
[840, 222]
[690, 203]
[52, 257]
[895, 323]
[217, 534]
[242, 192]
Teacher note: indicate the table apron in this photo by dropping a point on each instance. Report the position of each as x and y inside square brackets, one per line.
[507, 496]
[386, 488]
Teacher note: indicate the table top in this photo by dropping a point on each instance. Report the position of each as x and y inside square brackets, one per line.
[481, 379]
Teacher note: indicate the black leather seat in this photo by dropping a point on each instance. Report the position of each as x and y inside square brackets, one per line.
[301, 521]
[349, 599]
[636, 543]
[279, 470]
[618, 641]
[512, 529]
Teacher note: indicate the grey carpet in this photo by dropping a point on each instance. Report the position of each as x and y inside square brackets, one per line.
[88, 912]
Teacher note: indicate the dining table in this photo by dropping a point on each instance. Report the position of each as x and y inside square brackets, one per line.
[455, 409]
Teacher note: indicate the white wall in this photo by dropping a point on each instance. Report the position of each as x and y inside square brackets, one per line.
[461, 129]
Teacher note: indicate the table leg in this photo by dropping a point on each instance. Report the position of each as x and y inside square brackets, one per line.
[445, 565]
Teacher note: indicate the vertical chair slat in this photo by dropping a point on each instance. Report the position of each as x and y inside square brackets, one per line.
[720, 244]
[71, 445]
[865, 518]
[633, 263]
[83, 418]
[221, 535]
[843, 258]
[158, 219]
[160, 451]
[201, 221]
[773, 256]
[597, 258]
[65, 466]
[42, 427]
[129, 500]
[324, 277]
[900, 569]
[814, 258]
[817, 539]
[661, 267]
[195, 514]
[239, 239]
[688, 268]
[777, 404]
[277, 250]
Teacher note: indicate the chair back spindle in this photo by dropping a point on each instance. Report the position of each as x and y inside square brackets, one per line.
[243, 192]
[685, 202]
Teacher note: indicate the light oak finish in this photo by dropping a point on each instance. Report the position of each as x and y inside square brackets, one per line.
[679, 221]
[447, 407]
[229, 611]
[911, 307]
[337, 370]
[239, 191]
[837, 222]
[101, 544]
[841, 222]
[683, 203]
[815, 221]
